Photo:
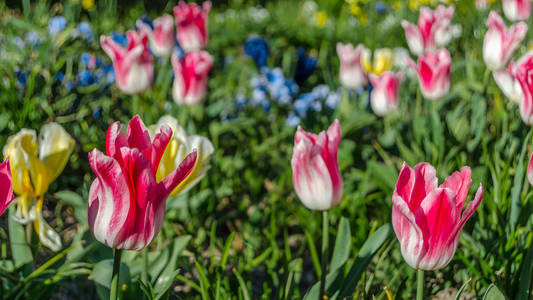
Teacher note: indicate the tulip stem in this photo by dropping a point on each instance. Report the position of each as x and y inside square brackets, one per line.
[144, 273]
[420, 284]
[113, 295]
[324, 258]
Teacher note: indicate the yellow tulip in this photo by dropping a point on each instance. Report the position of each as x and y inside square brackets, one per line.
[321, 17]
[181, 145]
[383, 60]
[35, 163]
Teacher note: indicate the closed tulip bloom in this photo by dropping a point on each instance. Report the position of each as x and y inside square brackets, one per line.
[351, 73]
[501, 42]
[126, 202]
[433, 73]
[191, 25]
[427, 218]
[524, 75]
[161, 37]
[315, 171]
[190, 77]
[383, 60]
[508, 84]
[516, 10]
[384, 95]
[133, 65]
[179, 146]
[35, 163]
[6, 187]
[433, 30]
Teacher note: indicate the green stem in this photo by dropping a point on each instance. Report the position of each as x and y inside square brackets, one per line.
[113, 295]
[144, 273]
[420, 284]
[324, 258]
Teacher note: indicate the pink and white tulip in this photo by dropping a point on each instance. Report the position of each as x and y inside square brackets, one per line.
[6, 186]
[351, 73]
[427, 218]
[433, 71]
[501, 42]
[134, 67]
[191, 25]
[516, 10]
[508, 83]
[524, 74]
[432, 32]
[126, 203]
[384, 96]
[190, 77]
[161, 37]
[315, 171]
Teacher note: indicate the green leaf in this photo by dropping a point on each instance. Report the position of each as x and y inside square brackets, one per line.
[525, 275]
[165, 279]
[102, 273]
[342, 245]
[17, 238]
[493, 293]
[242, 284]
[516, 204]
[76, 201]
[385, 176]
[225, 252]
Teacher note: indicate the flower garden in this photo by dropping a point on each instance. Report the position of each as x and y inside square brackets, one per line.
[319, 149]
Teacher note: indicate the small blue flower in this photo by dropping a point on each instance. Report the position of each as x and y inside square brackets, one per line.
[85, 30]
[381, 7]
[257, 48]
[22, 77]
[146, 20]
[178, 50]
[19, 42]
[97, 112]
[333, 100]
[120, 39]
[59, 76]
[56, 25]
[320, 91]
[301, 106]
[33, 38]
[85, 78]
[68, 86]
[292, 119]
[304, 67]
[241, 101]
[316, 106]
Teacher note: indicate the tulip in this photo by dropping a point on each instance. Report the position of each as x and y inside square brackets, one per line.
[501, 42]
[383, 60]
[190, 81]
[432, 32]
[524, 75]
[507, 82]
[351, 73]
[516, 10]
[161, 37]
[34, 166]
[126, 202]
[384, 95]
[315, 171]
[427, 218]
[179, 146]
[6, 187]
[191, 25]
[134, 67]
[433, 73]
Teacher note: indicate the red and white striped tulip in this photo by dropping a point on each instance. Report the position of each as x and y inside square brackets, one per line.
[501, 42]
[433, 30]
[351, 73]
[161, 37]
[508, 84]
[384, 95]
[133, 65]
[516, 10]
[190, 77]
[191, 25]
[315, 170]
[126, 203]
[524, 75]
[433, 71]
[6, 186]
[427, 218]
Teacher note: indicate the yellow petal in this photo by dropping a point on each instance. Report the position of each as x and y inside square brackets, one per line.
[55, 147]
[383, 60]
[47, 235]
[22, 214]
[366, 61]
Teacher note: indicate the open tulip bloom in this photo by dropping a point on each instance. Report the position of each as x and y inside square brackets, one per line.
[433, 71]
[382, 61]
[190, 77]
[384, 95]
[427, 218]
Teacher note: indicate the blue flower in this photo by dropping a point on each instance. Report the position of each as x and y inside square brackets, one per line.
[292, 119]
[97, 112]
[33, 38]
[68, 86]
[381, 7]
[85, 30]
[59, 76]
[241, 101]
[304, 67]
[22, 77]
[56, 25]
[105, 73]
[144, 19]
[19, 42]
[316, 106]
[120, 39]
[257, 48]
[320, 91]
[333, 100]
[85, 78]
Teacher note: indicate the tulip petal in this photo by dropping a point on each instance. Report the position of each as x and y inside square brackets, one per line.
[470, 209]
[408, 232]
[6, 188]
[155, 151]
[55, 147]
[425, 182]
[459, 182]
[414, 38]
[184, 169]
[404, 185]
[530, 170]
[47, 235]
[115, 139]
[138, 134]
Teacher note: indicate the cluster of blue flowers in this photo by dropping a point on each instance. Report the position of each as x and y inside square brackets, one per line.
[272, 86]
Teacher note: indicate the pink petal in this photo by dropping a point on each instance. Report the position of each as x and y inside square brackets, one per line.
[469, 211]
[184, 169]
[138, 134]
[425, 182]
[6, 187]
[408, 232]
[115, 139]
[155, 151]
[530, 170]
[459, 182]
[404, 185]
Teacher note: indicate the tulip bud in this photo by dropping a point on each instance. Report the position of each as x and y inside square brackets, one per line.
[315, 171]
[384, 95]
[500, 42]
[190, 77]
[191, 25]
[161, 37]
[516, 10]
[433, 73]
[351, 73]
[427, 218]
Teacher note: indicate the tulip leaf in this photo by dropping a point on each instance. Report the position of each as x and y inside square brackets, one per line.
[493, 293]
[77, 202]
[384, 175]
[17, 237]
[166, 278]
[525, 275]
[102, 273]
[342, 245]
[516, 204]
